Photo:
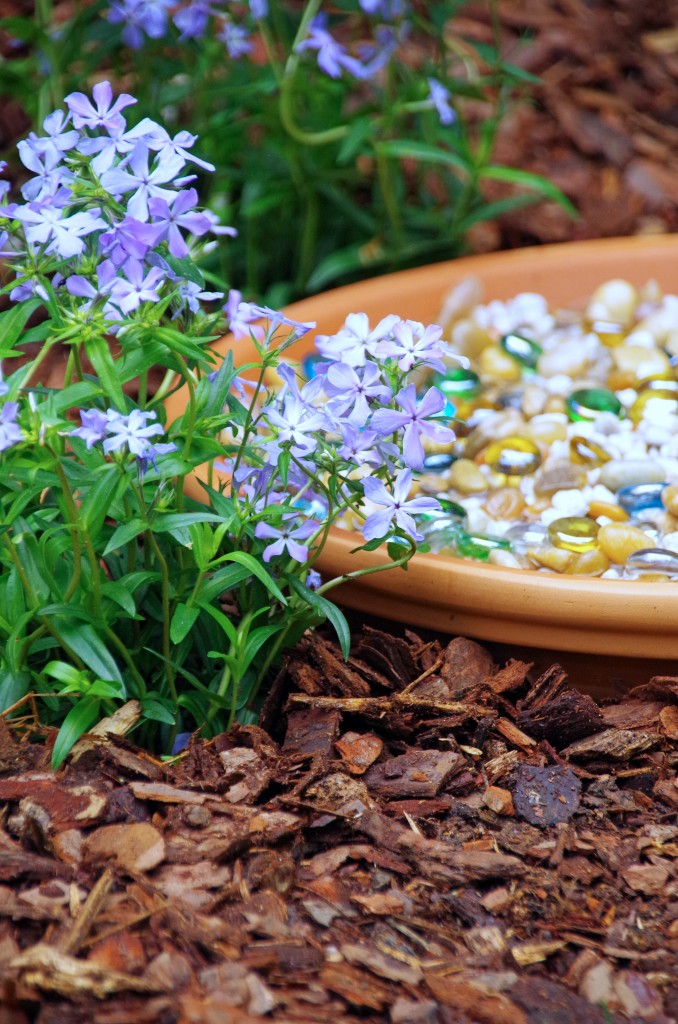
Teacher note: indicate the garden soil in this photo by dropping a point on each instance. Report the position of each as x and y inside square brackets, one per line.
[423, 835]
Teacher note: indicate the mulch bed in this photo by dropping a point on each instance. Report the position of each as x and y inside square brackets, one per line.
[419, 835]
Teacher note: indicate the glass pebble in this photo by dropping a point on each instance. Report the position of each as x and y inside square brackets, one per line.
[514, 456]
[661, 397]
[587, 403]
[438, 462]
[653, 560]
[523, 350]
[479, 545]
[310, 365]
[314, 507]
[523, 536]
[457, 380]
[574, 533]
[451, 514]
[587, 453]
[641, 496]
[608, 333]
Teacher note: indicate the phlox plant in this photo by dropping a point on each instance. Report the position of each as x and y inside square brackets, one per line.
[349, 137]
[114, 583]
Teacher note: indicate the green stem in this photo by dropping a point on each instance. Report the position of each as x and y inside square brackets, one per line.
[127, 658]
[166, 644]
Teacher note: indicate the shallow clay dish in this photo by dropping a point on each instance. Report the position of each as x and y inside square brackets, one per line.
[453, 595]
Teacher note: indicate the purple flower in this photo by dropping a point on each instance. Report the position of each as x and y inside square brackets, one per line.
[192, 20]
[10, 434]
[81, 288]
[159, 139]
[133, 431]
[103, 113]
[141, 18]
[144, 183]
[94, 425]
[191, 295]
[332, 56]
[376, 55]
[49, 175]
[129, 294]
[107, 147]
[168, 219]
[151, 452]
[47, 226]
[276, 318]
[293, 422]
[235, 38]
[355, 341]
[313, 579]
[286, 539]
[414, 420]
[350, 390]
[363, 447]
[412, 345]
[240, 316]
[387, 9]
[57, 140]
[259, 8]
[396, 507]
[440, 96]
[129, 239]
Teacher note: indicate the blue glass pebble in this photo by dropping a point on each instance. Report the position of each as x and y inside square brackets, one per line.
[438, 462]
[311, 365]
[313, 508]
[640, 496]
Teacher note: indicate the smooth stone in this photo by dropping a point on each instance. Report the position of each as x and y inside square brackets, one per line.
[494, 363]
[555, 559]
[523, 350]
[504, 503]
[515, 456]
[458, 381]
[670, 499]
[654, 560]
[653, 401]
[588, 563]
[476, 545]
[618, 473]
[621, 540]
[493, 426]
[469, 338]
[567, 357]
[613, 301]
[523, 536]
[464, 476]
[504, 559]
[574, 533]
[638, 362]
[533, 400]
[587, 403]
[640, 496]
[560, 475]
[438, 462]
[587, 453]
[607, 509]
[662, 383]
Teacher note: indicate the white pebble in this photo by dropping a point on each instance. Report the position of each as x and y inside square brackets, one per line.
[570, 502]
[670, 541]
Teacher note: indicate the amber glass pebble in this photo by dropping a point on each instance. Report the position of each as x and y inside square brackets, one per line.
[662, 397]
[608, 333]
[574, 533]
[514, 456]
[587, 403]
[587, 453]
[523, 350]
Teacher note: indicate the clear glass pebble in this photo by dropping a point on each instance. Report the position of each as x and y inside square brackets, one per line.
[524, 536]
[653, 560]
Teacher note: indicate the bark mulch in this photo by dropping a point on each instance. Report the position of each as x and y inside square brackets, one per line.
[419, 836]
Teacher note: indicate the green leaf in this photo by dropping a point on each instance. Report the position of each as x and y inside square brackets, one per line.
[75, 394]
[223, 580]
[182, 621]
[255, 642]
[99, 354]
[223, 620]
[124, 534]
[326, 610]
[109, 484]
[156, 709]
[185, 267]
[12, 323]
[256, 569]
[408, 149]
[169, 521]
[84, 641]
[78, 720]
[532, 182]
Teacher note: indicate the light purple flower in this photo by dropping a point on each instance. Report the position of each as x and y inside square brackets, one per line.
[128, 239]
[286, 538]
[107, 147]
[129, 294]
[47, 226]
[332, 56]
[351, 390]
[58, 140]
[293, 422]
[192, 20]
[159, 139]
[412, 345]
[313, 579]
[10, 433]
[396, 507]
[152, 452]
[80, 287]
[167, 220]
[103, 113]
[276, 319]
[440, 97]
[94, 425]
[363, 447]
[48, 173]
[235, 38]
[240, 316]
[356, 340]
[192, 295]
[141, 18]
[144, 183]
[414, 421]
[259, 8]
[132, 430]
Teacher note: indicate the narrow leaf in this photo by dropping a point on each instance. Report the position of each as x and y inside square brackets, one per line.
[78, 720]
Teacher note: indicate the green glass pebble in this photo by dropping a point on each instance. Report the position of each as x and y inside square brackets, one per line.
[587, 453]
[653, 560]
[450, 511]
[588, 403]
[524, 536]
[457, 381]
[438, 462]
[638, 497]
[523, 350]
[574, 533]
[479, 545]
[514, 456]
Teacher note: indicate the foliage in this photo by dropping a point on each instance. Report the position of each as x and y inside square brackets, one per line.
[114, 584]
[345, 136]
